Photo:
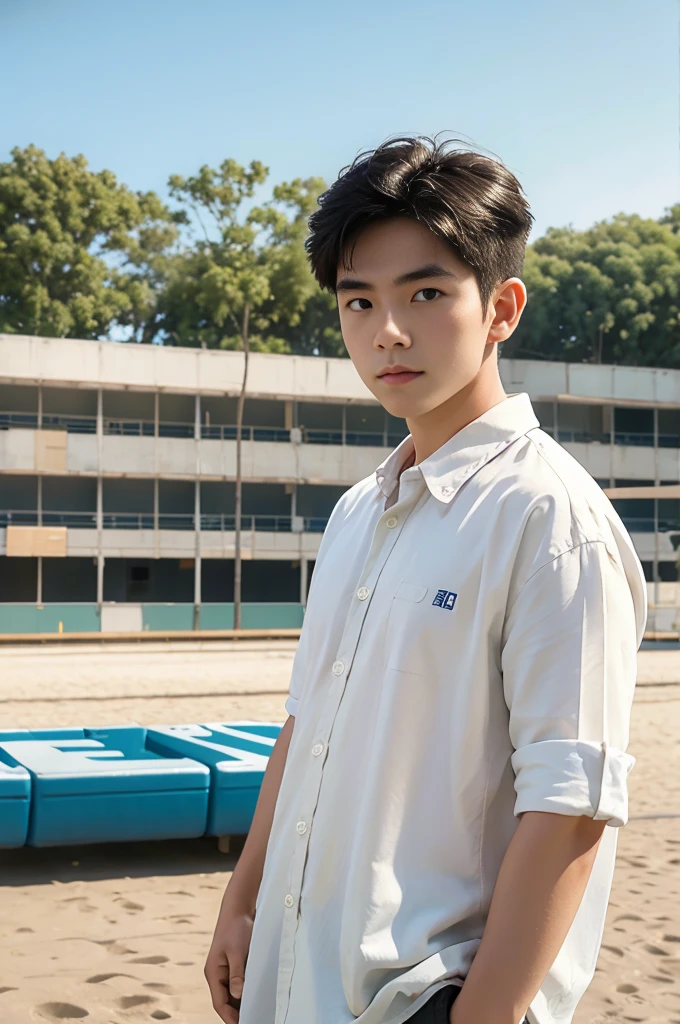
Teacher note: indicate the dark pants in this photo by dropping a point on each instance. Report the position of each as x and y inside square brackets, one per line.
[436, 1010]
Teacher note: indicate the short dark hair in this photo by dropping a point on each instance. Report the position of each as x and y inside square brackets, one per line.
[470, 201]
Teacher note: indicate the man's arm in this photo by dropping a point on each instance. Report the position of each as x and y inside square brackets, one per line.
[226, 962]
[539, 888]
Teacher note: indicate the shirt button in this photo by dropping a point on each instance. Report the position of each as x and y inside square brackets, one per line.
[317, 748]
[338, 668]
[447, 490]
[301, 827]
[289, 900]
[362, 593]
[391, 522]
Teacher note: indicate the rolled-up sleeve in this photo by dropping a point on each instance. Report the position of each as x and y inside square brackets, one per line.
[569, 664]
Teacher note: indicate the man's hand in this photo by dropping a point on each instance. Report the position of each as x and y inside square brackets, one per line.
[226, 962]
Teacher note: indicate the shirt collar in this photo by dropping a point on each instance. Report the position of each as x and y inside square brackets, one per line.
[467, 451]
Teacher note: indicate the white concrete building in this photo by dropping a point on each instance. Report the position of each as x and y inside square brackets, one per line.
[117, 470]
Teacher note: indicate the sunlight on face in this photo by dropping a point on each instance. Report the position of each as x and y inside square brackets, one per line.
[430, 322]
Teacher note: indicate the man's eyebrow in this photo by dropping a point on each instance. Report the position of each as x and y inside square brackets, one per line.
[352, 284]
[428, 270]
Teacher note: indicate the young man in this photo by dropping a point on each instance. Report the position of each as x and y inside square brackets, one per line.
[436, 831]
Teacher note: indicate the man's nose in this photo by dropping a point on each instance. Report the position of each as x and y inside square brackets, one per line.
[389, 333]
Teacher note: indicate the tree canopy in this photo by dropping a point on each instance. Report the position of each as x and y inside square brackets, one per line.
[609, 294]
[239, 256]
[83, 255]
[76, 247]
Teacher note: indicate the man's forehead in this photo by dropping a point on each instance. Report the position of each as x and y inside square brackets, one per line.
[398, 261]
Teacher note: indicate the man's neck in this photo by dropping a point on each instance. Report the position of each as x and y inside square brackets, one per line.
[433, 430]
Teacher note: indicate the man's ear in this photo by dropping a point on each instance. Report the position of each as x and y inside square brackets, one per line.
[507, 307]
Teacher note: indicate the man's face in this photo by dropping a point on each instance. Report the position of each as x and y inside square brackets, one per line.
[409, 300]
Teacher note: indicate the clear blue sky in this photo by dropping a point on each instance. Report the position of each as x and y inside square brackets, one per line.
[580, 99]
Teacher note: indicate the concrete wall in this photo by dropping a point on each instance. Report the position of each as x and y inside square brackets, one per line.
[89, 364]
[286, 462]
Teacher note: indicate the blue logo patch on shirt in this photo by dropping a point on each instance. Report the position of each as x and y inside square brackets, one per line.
[445, 599]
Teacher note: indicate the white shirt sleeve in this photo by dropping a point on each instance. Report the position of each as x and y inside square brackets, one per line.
[297, 678]
[298, 673]
[569, 663]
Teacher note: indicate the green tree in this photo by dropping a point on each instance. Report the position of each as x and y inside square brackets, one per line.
[77, 248]
[231, 241]
[610, 294]
[244, 276]
[317, 331]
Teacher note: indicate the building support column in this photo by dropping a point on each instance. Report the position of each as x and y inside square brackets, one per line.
[304, 567]
[556, 428]
[656, 508]
[39, 586]
[100, 500]
[197, 514]
[344, 424]
[156, 507]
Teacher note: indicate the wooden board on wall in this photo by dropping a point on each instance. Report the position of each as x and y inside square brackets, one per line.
[32, 541]
[50, 450]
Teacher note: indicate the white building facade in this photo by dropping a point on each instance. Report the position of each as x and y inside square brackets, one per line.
[118, 465]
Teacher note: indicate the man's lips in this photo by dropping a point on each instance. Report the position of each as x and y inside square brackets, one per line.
[400, 376]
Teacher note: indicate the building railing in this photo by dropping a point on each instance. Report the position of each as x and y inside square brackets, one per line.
[226, 522]
[646, 524]
[209, 431]
[622, 437]
[310, 435]
[166, 521]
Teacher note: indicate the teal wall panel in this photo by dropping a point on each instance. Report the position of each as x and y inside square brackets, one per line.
[84, 618]
[27, 618]
[260, 615]
[167, 616]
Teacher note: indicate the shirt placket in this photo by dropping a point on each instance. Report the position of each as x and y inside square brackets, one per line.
[385, 537]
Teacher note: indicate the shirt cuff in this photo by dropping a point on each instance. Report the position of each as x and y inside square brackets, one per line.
[291, 705]
[573, 777]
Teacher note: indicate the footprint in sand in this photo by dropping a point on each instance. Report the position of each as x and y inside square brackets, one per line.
[97, 979]
[158, 986]
[627, 989]
[655, 950]
[61, 1011]
[160, 1015]
[129, 905]
[150, 960]
[130, 1002]
[25, 930]
[7, 988]
[180, 892]
[114, 947]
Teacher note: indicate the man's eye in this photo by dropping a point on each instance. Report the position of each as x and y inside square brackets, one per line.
[428, 294]
[358, 309]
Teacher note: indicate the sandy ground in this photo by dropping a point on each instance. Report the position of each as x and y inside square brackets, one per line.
[119, 933]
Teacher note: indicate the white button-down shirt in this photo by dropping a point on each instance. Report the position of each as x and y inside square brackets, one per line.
[468, 653]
